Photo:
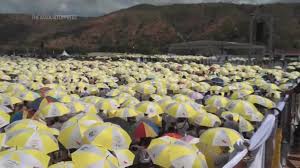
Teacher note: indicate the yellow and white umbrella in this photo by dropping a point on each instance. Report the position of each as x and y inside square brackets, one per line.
[25, 158]
[92, 99]
[94, 156]
[28, 123]
[245, 109]
[108, 135]
[32, 139]
[206, 120]
[5, 109]
[130, 102]
[149, 108]
[239, 94]
[214, 103]
[125, 157]
[72, 131]
[28, 95]
[145, 89]
[4, 119]
[220, 137]
[76, 106]
[55, 109]
[181, 98]
[255, 99]
[181, 110]
[125, 113]
[244, 125]
[108, 104]
[175, 154]
[9, 100]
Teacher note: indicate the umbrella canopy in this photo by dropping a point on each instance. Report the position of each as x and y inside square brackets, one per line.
[28, 123]
[32, 139]
[94, 156]
[146, 129]
[255, 99]
[175, 154]
[180, 110]
[206, 119]
[239, 94]
[220, 137]
[125, 157]
[149, 108]
[28, 95]
[245, 109]
[42, 101]
[125, 113]
[108, 135]
[244, 125]
[55, 109]
[24, 158]
[108, 104]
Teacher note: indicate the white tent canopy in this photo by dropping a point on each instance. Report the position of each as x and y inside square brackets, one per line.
[65, 53]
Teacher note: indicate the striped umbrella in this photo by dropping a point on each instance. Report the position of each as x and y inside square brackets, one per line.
[32, 139]
[23, 158]
[94, 156]
[54, 110]
[146, 129]
[108, 135]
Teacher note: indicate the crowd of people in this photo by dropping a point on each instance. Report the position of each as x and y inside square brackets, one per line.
[121, 113]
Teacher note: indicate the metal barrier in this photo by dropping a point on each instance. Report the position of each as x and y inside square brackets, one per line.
[262, 143]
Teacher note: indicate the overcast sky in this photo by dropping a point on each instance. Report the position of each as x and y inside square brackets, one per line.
[95, 7]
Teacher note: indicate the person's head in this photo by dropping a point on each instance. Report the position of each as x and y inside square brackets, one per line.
[85, 88]
[225, 149]
[229, 118]
[131, 119]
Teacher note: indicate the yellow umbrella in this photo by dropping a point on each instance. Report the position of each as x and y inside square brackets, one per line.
[71, 134]
[27, 158]
[32, 139]
[149, 108]
[245, 109]
[239, 94]
[131, 101]
[145, 89]
[69, 98]
[15, 88]
[92, 99]
[177, 154]
[9, 100]
[55, 109]
[181, 110]
[125, 157]
[220, 137]
[244, 125]
[108, 104]
[125, 113]
[214, 103]
[108, 135]
[76, 107]
[94, 156]
[29, 123]
[56, 93]
[181, 98]
[255, 99]
[68, 164]
[28, 95]
[206, 119]
[113, 93]
[163, 103]
[4, 119]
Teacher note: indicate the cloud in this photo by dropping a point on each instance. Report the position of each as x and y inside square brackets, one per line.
[95, 7]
